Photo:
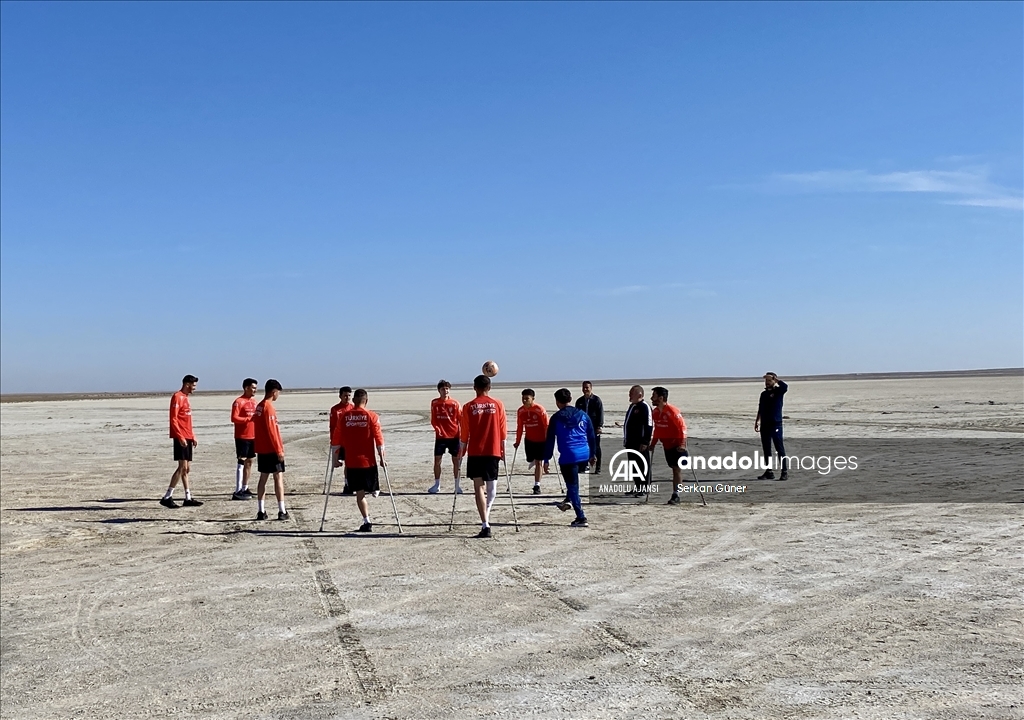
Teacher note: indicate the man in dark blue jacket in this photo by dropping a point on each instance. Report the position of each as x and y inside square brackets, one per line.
[577, 443]
[769, 423]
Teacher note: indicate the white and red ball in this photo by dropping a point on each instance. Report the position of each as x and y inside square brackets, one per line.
[490, 368]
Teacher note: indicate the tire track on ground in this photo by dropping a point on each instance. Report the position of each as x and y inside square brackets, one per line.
[357, 660]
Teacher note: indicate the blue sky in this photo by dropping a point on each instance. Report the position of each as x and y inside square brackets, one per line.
[392, 193]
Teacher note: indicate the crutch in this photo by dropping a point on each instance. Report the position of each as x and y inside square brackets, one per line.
[394, 505]
[329, 472]
[512, 471]
[455, 495]
[327, 493]
[697, 482]
[508, 479]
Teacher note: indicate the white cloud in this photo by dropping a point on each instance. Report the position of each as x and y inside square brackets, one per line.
[966, 186]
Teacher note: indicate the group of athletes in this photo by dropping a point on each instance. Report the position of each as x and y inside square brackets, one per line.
[476, 432]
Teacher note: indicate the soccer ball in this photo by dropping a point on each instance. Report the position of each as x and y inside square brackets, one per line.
[490, 368]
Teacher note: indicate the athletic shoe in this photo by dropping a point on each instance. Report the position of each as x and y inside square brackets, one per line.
[435, 488]
[283, 515]
[191, 502]
[484, 533]
[376, 493]
[785, 476]
[261, 515]
[169, 503]
[240, 495]
[347, 491]
[365, 527]
[579, 522]
[597, 470]
[247, 493]
[536, 489]
[674, 500]
[563, 506]
[768, 475]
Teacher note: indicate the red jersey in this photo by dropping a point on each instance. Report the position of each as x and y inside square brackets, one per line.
[444, 417]
[534, 420]
[360, 436]
[484, 427]
[268, 434]
[669, 427]
[181, 417]
[335, 425]
[242, 410]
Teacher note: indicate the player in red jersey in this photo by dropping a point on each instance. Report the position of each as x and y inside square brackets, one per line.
[361, 436]
[269, 451]
[532, 419]
[483, 430]
[184, 440]
[670, 429]
[242, 410]
[337, 451]
[444, 418]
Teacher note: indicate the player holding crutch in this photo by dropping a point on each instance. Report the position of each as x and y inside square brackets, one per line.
[577, 446]
[360, 436]
[483, 430]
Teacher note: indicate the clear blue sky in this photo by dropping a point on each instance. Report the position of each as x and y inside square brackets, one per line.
[393, 193]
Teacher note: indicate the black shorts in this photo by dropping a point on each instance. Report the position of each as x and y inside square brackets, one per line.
[245, 449]
[534, 450]
[364, 479]
[482, 466]
[672, 456]
[183, 453]
[449, 444]
[269, 463]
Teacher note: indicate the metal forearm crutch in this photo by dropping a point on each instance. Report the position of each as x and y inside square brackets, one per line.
[394, 505]
[508, 480]
[330, 468]
[327, 493]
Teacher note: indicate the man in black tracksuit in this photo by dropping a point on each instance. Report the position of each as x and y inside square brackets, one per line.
[637, 429]
[769, 423]
[591, 404]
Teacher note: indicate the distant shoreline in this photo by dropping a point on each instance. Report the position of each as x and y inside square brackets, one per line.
[995, 372]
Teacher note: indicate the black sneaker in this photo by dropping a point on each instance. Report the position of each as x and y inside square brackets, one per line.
[768, 475]
[261, 515]
[365, 527]
[169, 503]
[784, 476]
[597, 470]
[283, 516]
[347, 491]
[536, 489]
[246, 493]
[240, 495]
[579, 522]
[674, 500]
[484, 533]
[191, 502]
[563, 506]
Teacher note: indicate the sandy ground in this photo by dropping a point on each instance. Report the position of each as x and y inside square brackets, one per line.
[115, 607]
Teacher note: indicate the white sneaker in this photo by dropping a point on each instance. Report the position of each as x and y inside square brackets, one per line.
[435, 488]
[376, 493]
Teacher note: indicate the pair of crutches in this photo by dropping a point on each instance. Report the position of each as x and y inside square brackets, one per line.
[561, 486]
[508, 481]
[329, 477]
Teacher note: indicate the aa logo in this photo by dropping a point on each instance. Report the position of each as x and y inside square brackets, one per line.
[629, 466]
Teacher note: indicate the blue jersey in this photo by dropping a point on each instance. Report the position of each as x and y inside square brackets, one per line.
[574, 432]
